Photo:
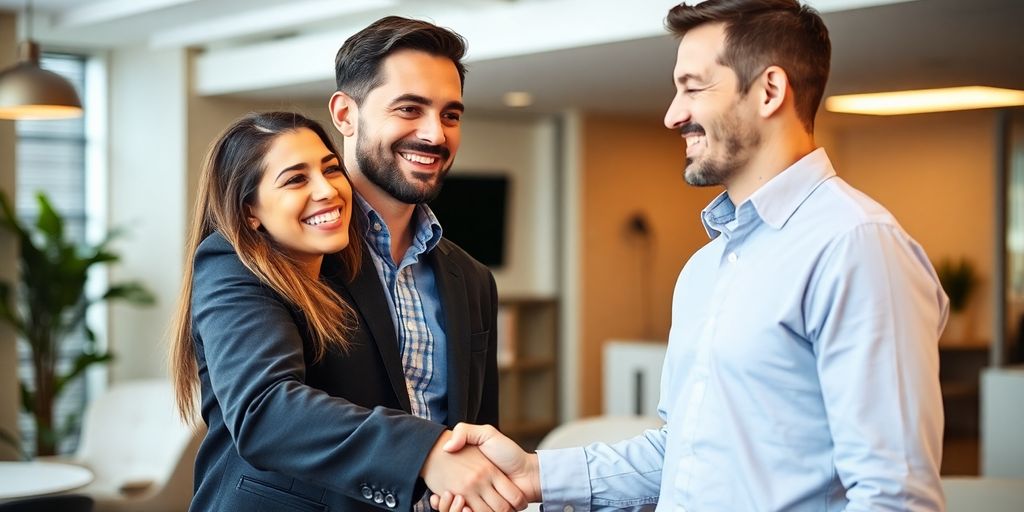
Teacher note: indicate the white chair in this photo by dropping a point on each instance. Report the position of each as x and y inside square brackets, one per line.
[140, 452]
[604, 429]
[971, 494]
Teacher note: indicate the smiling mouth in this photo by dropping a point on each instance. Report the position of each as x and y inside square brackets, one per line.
[693, 140]
[323, 218]
[419, 159]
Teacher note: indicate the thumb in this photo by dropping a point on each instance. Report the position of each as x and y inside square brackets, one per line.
[465, 433]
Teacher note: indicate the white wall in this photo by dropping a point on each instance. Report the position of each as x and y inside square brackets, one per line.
[524, 150]
[148, 197]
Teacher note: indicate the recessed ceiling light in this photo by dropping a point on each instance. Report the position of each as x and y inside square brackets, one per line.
[925, 100]
[518, 99]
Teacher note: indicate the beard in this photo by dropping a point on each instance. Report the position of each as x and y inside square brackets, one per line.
[736, 141]
[380, 166]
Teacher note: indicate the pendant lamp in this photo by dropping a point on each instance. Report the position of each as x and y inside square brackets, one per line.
[30, 92]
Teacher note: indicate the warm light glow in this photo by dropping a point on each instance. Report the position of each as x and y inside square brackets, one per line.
[518, 99]
[37, 112]
[925, 100]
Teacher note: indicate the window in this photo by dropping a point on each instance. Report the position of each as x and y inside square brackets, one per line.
[51, 158]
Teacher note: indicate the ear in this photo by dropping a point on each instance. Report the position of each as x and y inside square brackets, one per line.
[772, 89]
[344, 113]
[251, 219]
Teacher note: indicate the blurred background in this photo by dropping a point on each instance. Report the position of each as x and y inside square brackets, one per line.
[591, 220]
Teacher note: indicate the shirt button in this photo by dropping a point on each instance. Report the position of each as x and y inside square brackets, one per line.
[378, 497]
[376, 226]
[733, 257]
[367, 492]
[567, 508]
[411, 325]
[390, 500]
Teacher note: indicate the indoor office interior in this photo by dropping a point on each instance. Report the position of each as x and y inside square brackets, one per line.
[574, 183]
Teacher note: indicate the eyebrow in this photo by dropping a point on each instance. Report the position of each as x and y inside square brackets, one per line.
[689, 76]
[416, 98]
[302, 166]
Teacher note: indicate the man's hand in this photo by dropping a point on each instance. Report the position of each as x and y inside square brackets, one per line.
[521, 467]
[470, 475]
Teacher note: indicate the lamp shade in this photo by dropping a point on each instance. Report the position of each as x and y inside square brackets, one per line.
[30, 92]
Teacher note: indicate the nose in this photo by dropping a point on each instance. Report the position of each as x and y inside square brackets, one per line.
[323, 189]
[431, 130]
[678, 113]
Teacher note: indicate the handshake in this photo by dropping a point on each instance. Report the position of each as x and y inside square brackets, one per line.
[475, 468]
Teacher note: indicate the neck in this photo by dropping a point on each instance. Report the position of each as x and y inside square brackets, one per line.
[774, 156]
[396, 214]
[312, 266]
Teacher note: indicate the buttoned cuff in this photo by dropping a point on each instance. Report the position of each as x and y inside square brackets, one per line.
[564, 480]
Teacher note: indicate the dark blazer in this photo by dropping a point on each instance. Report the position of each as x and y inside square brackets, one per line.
[288, 433]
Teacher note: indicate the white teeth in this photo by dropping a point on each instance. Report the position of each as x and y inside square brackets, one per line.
[420, 159]
[693, 140]
[323, 217]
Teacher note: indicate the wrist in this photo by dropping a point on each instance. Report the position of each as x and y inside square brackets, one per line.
[533, 494]
[438, 448]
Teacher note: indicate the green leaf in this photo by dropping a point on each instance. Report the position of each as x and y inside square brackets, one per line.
[132, 292]
[28, 399]
[82, 362]
[49, 222]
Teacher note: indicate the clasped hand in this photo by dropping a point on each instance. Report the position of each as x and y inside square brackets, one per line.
[507, 478]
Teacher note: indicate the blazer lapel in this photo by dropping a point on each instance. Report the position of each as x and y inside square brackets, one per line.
[452, 289]
[367, 298]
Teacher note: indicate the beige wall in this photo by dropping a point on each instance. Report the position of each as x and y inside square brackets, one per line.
[935, 173]
[9, 398]
[630, 165]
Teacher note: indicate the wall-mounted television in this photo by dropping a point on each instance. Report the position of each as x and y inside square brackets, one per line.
[472, 210]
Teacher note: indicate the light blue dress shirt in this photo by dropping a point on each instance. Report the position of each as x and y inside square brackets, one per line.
[802, 369]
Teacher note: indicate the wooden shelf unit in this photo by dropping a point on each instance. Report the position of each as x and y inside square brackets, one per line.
[528, 368]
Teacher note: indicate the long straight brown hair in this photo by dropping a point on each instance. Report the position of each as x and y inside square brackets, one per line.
[228, 185]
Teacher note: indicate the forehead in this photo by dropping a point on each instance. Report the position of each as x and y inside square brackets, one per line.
[420, 73]
[295, 146]
[699, 50]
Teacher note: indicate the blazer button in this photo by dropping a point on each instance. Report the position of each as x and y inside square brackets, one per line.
[378, 497]
[367, 492]
[390, 500]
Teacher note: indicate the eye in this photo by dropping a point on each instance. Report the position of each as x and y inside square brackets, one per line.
[295, 179]
[332, 170]
[452, 118]
[408, 110]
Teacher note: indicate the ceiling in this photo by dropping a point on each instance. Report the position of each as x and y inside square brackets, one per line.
[598, 55]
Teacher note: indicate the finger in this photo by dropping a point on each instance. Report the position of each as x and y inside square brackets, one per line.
[495, 500]
[459, 504]
[437, 502]
[478, 504]
[510, 492]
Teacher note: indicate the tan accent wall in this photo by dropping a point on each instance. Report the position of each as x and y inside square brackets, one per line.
[9, 398]
[631, 165]
[935, 173]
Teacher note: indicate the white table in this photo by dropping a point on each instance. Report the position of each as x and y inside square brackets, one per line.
[24, 479]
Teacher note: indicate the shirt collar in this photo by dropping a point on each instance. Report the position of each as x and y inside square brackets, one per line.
[427, 230]
[778, 199]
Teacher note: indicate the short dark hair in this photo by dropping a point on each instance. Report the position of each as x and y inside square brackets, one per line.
[357, 64]
[762, 33]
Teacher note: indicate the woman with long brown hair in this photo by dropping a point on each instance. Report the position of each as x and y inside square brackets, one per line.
[293, 389]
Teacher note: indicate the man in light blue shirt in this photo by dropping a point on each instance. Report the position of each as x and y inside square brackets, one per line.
[802, 365]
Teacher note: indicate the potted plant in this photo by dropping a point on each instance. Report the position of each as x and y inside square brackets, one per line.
[50, 304]
[958, 279]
